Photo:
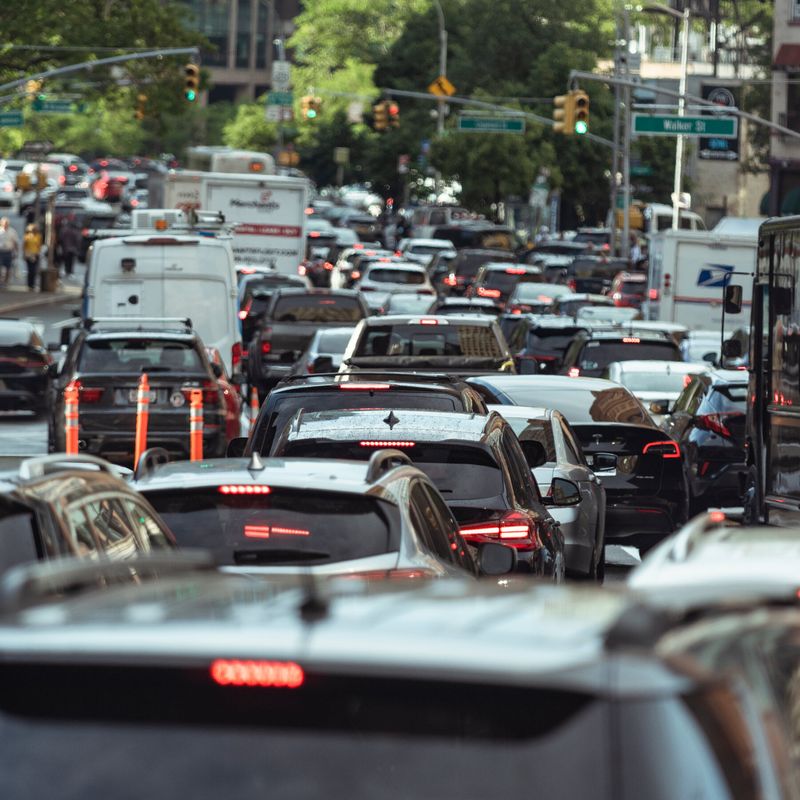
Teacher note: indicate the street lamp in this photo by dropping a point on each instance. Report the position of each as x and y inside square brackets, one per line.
[442, 63]
[657, 8]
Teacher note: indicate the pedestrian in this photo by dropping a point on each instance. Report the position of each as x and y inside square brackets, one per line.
[636, 251]
[32, 251]
[70, 244]
[9, 250]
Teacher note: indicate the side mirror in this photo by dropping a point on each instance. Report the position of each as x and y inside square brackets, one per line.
[733, 299]
[534, 452]
[217, 370]
[564, 492]
[323, 364]
[496, 559]
[236, 447]
[732, 348]
[711, 357]
[659, 408]
[604, 461]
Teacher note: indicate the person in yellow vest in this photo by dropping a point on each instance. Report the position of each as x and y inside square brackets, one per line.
[32, 251]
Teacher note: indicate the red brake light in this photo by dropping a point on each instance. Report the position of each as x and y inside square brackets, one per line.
[513, 527]
[84, 232]
[666, 449]
[358, 246]
[249, 488]
[716, 423]
[72, 168]
[355, 275]
[687, 379]
[62, 179]
[572, 285]
[573, 372]
[398, 252]
[274, 674]
[301, 270]
[364, 387]
[236, 354]
[328, 266]
[653, 294]
[395, 443]
[450, 280]
[89, 395]
[266, 347]
[309, 212]
[717, 516]
[515, 271]
[266, 531]
[429, 322]
[243, 314]
[631, 340]
[493, 293]
[314, 234]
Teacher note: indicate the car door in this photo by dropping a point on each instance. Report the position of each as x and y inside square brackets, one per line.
[432, 539]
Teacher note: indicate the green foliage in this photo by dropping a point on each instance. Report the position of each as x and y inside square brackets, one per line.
[249, 130]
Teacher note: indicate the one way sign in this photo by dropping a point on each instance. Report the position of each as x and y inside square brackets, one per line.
[714, 275]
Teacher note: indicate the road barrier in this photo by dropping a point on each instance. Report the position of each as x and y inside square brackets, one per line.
[142, 417]
[254, 407]
[71, 413]
[196, 425]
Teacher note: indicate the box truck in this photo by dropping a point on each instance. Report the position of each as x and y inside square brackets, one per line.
[268, 212]
[688, 272]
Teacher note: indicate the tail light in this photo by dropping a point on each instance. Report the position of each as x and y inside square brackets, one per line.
[450, 280]
[236, 354]
[388, 443]
[328, 266]
[491, 293]
[266, 348]
[273, 674]
[572, 284]
[666, 449]
[266, 344]
[512, 528]
[515, 271]
[62, 179]
[365, 387]
[653, 294]
[574, 372]
[717, 423]
[210, 393]
[403, 574]
[398, 252]
[134, 203]
[355, 275]
[88, 394]
[246, 488]
[85, 232]
[246, 310]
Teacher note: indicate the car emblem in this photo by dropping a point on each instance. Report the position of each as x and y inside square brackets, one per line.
[391, 420]
[177, 400]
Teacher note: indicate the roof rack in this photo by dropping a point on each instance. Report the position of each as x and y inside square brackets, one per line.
[40, 466]
[30, 584]
[90, 322]
[148, 461]
[382, 461]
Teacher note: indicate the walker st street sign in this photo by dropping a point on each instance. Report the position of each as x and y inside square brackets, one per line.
[673, 125]
[491, 124]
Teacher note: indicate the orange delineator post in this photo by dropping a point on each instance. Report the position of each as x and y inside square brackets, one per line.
[71, 413]
[142, 418]
[196, 425]
[254, 407]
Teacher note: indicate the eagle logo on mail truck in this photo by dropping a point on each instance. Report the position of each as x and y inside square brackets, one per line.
[714, 275]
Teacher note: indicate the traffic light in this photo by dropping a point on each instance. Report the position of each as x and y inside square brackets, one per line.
[564, 114]
[394, 114]
[141, 106]
[580, 111]
[310, 106]
[380, 116]
[191, 82]
[33, 87]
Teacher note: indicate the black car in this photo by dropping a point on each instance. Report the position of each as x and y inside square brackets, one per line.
[385, 390]
[255, 290]
[591, 351]
[105, 364]
[476, 462]
[539, 342]
[638, 464]
[708, 421]
[25, 369]
[496, 281]
[466, 265]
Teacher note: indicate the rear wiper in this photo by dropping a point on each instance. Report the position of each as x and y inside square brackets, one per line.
[278, 556]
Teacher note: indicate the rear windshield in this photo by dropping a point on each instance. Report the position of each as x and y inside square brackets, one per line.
[288, 403]
[478, 341]
[317, 308]
[633, 287]
[409, 304]
[527, 291]
[470, 263]
[655, 381]
[286, 526]
[100, 222]
[597, 356]
[404, 276]
[108, 356]
[459, 472]
[548, 342]
[424, 249]
[333, 341]
[505, 282]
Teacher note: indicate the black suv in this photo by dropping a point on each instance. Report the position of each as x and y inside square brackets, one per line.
[591, 352]
[497, 281]
[106, 363]
[255, 291]
[466, 265]
[385, 390]
[25, 368]
[539, 342]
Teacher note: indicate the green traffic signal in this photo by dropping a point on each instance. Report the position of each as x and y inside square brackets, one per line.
[191, 95]
[311, 113]
[581, 127]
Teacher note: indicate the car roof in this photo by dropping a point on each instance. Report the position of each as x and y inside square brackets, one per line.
[437, 381]
[662, 366]
[443, 243]
[466, 301]
[629, 332]
[506, 381]
[523, 412]
[504, 265]
[412, 319]
[405, 266]
[15, 331]
[160, 333]
[720, 376]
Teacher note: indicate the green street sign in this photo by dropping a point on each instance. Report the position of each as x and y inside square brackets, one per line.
[280, 99]
[641, 170]
[10, 119]
[492, 124]
[52, 106]
[673, 125]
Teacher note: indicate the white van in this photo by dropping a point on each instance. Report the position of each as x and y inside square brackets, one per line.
[158, 275]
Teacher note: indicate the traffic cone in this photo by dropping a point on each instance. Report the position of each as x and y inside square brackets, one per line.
[71, 414]
[254, 407]
[142, 418]
[196, 425]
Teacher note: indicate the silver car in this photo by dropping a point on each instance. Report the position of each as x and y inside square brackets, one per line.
[583, 525]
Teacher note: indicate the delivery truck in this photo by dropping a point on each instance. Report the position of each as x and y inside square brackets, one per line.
[688, 272]
[267, 212]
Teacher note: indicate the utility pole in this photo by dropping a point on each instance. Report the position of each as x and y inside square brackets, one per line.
[615, 151]
[442, 63]
[626, 155]
[676, 196]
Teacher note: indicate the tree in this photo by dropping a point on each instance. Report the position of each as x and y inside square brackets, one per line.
[249, 129]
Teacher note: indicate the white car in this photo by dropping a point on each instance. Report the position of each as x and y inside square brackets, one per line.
[395, 276]
[9, 194]
[423, 250]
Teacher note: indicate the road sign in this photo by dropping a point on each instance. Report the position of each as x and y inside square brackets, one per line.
[341, 155]
[281, 76]
[278, 113]
[673, 125]
[53, 106]
[280, 98]
[442, 87]
[492, 124]
[10, 119]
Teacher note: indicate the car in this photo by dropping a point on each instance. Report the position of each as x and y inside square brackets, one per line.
[26, 369]
[568, 305]
[465, 266]
[231, 394]
[109, 184]
[440, 271]
[708, 422]
[406, 303]
[367, 227]
[591, 351]
[539, 341]
[629, 289]
[593, 274]
[458, 306]
[398, 276]
[324, 352]
[656, 383]
[105, 362]
[498, 281]
[442, 689]
[347, 270]
[639, 466]
[9, 194]
[476, 463]
[423, 250]
[255, 290]
[535, 297]
[383, 390]
[583, 524]
[700, 345]
[312, 515]
[466, 345]
[60, 506]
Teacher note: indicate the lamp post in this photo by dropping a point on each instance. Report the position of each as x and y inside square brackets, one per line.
[442, 63]
[657, 8]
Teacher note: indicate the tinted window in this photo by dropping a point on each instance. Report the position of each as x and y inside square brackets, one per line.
[317, 308]
[541, 292]
[80, 532]
[726, 398]
[334, 341]
[111, 356]
[286, 526]
[596, 356]
[17, 539]
[409, 304]
[430, 526]
[150, 533]
[112, 528]
[470, 341]
[505, 282]
[548, 342]
[404, 276]
[536, 430]
[659, 381]
[633, 287]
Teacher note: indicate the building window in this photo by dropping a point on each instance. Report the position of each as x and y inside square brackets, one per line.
[793, 106]
[212, 19]
[795, 10]
[243, 35]
[262, 25]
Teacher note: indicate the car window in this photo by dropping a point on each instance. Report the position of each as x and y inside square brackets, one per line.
[112, 527]
[574, 450]
[459, 551]
[17, 539]
[404, 276]
[432, 531]
[317, 308]
[150, 533]
[537, 430]
[111, 356]
[470, 341]
[726, 398]
[691, 397]
[80, 532]
[597, 355]
[522, 482]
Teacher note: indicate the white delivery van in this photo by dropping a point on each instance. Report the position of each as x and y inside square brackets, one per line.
[166, 275]
[688, 273]
[268, 212]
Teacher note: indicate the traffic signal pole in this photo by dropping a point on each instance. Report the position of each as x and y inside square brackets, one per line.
[626, 140]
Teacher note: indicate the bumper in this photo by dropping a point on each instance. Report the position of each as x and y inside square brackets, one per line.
[643, 522]
[119, 447]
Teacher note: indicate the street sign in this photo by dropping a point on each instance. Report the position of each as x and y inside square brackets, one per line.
[278, 113]
[10, 119]
[280, 98]
[442, 87]
[673, 125]
[52, 106]
[492, 124]
[341, 155]
[281, 76]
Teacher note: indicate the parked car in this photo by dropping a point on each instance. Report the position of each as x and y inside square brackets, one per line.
[25, 369]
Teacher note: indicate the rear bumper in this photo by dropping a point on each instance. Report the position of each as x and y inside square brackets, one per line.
[119, 447]
[642, 522]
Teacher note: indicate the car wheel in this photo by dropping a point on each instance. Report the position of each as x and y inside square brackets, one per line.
[752, 513]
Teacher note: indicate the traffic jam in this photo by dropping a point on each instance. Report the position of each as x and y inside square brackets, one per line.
[346, 499]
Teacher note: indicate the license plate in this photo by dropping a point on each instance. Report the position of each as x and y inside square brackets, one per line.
[133, 394]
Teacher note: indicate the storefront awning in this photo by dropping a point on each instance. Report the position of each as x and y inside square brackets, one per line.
[788, 57]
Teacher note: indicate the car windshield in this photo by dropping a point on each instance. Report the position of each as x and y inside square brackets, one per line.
[404, 276]
[596, 356]
[317, 308]
[657, 381]
[444, 341]
[283, 526]
[109, 356]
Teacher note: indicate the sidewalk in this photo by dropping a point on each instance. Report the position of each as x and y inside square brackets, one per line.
[17, 297]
